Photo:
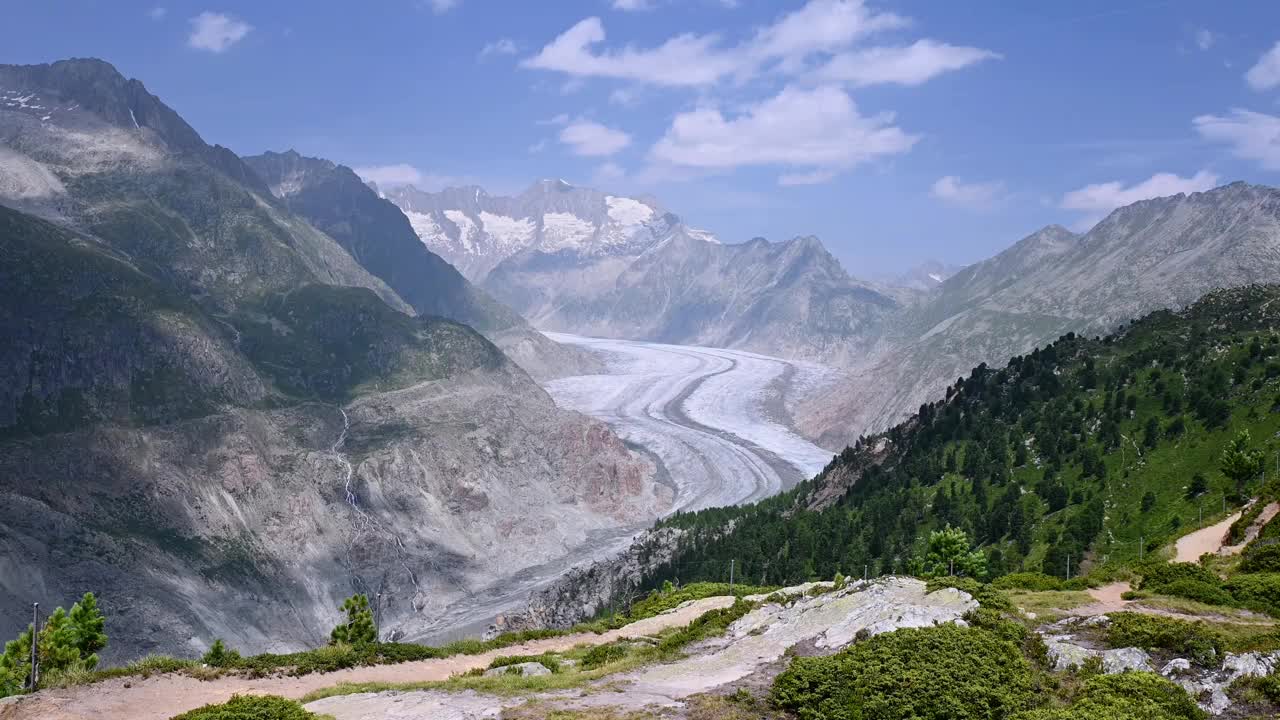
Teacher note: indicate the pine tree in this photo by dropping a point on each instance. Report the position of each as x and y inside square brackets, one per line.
[57, 649]
[359, 628]
[15, 664]
[1240, 463]
[89, 629]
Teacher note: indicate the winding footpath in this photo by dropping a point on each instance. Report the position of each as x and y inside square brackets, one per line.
[162, 696]
[710, 417]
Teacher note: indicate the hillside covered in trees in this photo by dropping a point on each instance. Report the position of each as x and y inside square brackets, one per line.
[1088, 452]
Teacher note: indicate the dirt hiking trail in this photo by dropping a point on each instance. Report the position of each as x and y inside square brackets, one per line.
[163, 696]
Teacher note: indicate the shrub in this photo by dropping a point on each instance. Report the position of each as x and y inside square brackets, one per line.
[1156, 575]
[1261, 556]
[932, 673]
[1154, 632]
[987, 595]
[547, 661]
[1127, 696]
[219, 656]
[1035, 581]
[251, 707]
[661, 602]
[1198, 591]
[1256, 589]
[602, 655]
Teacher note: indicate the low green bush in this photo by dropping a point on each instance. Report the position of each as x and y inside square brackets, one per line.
[1038, 582]
[987, 594]
[546, 660]
[251, 707]
[943, 672]
[1126, 696]
[1198, 591]
[602, 655]
[1157, 575]
[658, 602]
[1261, 590]
[708, 624]
[1261, 556]
[1153, 632]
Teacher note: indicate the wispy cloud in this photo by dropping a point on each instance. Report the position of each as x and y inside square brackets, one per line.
[909, 65]
[591, 139]
[1101, 198]
[1250, 135]
[157, 13]
[1205, 38]
[969, 195]
[1265, 74]
[633, 5]
[501, 46]
[216, 32]
[441, 7]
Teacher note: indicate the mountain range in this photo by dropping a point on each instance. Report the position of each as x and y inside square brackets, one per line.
[234, 391]
[577, 260]
[899, 342]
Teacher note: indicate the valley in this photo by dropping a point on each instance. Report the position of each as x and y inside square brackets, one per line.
[713, 420]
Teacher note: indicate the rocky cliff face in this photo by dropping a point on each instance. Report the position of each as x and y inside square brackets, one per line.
[334, 199]
[216, 417]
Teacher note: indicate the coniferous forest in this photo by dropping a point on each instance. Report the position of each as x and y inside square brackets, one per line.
[1085, 452]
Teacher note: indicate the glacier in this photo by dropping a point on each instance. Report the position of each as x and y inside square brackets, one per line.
[710, 417]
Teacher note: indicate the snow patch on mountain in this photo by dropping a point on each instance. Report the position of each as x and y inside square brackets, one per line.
[511, 234]
[626, 211]
[467, 231]
[425, 227]
[565, 231]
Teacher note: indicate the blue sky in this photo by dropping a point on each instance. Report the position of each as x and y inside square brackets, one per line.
[895, 131]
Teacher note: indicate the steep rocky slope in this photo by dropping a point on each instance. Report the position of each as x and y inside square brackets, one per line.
[217, 418]
[334, 199]
[1154, 254]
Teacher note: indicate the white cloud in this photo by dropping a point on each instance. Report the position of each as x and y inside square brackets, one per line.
[441, 7]
[1265, 74]
[819, 28]
[1251, 135]
[501, 46]
[157, 13]
[1205, 39]
[537, 147]
[909, 65]
[1101, 198]
[632, 5]
[561, 119]
[592, 139]
[682, 60]
[398, 174]
[216, 32]
[973, 196]
[816, 132]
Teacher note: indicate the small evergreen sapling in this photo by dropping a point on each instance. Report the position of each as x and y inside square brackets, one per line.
[359, 628]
